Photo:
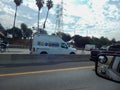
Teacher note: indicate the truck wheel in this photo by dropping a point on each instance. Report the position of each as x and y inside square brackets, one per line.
[43, 53]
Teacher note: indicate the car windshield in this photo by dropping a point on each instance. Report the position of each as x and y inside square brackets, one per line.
[114, 48]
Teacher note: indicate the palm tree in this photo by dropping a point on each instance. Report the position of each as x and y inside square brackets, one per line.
[49, 6]
[39, 3]
[17, 2]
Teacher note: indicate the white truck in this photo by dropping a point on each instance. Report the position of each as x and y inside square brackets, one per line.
[50, 44]
[89, 47]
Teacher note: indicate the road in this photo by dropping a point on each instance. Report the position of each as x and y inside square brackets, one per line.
[56, 76]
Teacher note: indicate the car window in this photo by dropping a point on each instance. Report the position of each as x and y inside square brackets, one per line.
[63, 45]
[114, 48]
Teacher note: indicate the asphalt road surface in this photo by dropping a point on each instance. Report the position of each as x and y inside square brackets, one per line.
[60, 76]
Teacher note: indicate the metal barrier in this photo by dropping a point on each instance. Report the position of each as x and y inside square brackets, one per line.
[29, 59]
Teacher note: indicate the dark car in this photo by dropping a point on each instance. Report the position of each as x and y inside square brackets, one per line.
[3, 46]
[112, 49]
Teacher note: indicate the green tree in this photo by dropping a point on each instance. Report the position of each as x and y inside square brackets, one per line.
[77, 40]
[113, 41]
[42, 31]
[26, 32]
[104, 41]
[17, 2]
[64, 36]
[85, 40]
[17, 32]
[29, 33]
[99, 42]
[81, 41]
[49, 6]
[39, 4]
[95, 41]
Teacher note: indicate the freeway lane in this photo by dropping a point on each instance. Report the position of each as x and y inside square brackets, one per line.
[45, 71]
[56, 78]
[6, 69]
[81, 79]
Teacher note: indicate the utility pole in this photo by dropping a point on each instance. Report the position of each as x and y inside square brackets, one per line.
[59, 17]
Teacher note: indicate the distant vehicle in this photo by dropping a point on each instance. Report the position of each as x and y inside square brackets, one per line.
[3, 46]
[50, 44]
[112, 49]
[89, 47]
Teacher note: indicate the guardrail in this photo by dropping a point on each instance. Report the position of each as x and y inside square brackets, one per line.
[17, 46]
[31, 59]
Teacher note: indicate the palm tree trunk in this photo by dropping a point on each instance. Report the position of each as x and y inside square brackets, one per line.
[38, 19]
[15, 16]
[14, 21]
[45, 19]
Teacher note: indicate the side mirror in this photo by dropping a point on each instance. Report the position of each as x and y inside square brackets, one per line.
[102, 59]
[108, 67]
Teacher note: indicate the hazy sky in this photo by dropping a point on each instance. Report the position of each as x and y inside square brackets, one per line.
[83, 17]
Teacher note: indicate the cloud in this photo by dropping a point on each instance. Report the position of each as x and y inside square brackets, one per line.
[31, 4]
[112, 13]
[83, 17]
[114, 2]
[7, 20]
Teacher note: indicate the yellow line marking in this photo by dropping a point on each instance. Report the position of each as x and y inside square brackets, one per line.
[46, 71]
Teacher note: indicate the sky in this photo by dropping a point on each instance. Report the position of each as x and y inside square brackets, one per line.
[80, 17]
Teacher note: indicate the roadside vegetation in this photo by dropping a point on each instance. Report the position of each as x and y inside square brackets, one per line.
[23, 36]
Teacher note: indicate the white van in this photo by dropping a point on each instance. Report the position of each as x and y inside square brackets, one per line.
[50, 44]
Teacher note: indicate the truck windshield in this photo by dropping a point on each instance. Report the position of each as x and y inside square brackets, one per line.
[63, 45]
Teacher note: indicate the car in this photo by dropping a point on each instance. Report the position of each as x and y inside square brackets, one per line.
[112, 49]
